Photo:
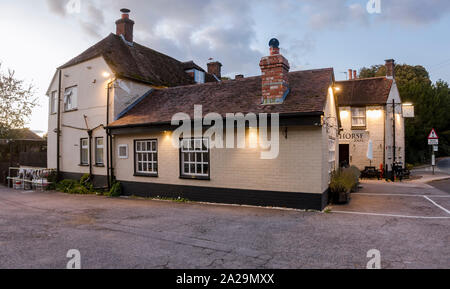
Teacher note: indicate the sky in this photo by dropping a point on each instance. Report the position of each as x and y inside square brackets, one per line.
[40, 35]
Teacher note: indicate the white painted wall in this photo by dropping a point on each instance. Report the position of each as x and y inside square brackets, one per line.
[92, 99]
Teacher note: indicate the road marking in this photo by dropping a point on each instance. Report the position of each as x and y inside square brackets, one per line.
[389, 215]
[437, 205]
[399, 195]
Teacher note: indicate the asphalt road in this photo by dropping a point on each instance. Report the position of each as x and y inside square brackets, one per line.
[443, 185]
[444, 164]
[38, 229]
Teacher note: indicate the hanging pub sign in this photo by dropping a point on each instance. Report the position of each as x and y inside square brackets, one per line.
[408, 110]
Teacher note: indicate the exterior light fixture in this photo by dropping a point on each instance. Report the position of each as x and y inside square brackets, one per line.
[344, 114]
[375, 113]
[106, 74]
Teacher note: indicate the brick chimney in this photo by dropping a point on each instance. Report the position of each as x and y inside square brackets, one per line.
[215, 68]
[350, 74]
[124, 26]
[390, 68]
[275, 80]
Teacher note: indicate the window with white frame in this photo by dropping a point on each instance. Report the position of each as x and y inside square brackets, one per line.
[358, 117]
[195, 162]
[99, 149]
[123, 151]
[71, 98]
[146, 155]
[54, 102]
[84, 151]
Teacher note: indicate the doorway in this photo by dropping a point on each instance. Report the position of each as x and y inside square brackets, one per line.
[344, 155]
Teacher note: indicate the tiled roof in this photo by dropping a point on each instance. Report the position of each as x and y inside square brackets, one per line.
[365, 91]
[136, 62]
[23, 134]
[308, 94]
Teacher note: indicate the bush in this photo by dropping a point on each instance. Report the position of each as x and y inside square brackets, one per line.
[72, 187]
[86, 182]
[79, 190]
[66, 186]
[116, 190]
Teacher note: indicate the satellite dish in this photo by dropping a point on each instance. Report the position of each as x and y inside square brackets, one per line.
[274, 43]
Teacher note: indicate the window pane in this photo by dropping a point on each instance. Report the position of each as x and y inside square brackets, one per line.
[99, 156]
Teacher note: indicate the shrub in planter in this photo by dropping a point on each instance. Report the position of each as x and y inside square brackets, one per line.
[343, 181]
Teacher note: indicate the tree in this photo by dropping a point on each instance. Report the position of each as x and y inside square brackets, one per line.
[16, 102]
[432, 104]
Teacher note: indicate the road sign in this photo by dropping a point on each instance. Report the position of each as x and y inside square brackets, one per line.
[433, 134]
[433, 142]
[436, 148]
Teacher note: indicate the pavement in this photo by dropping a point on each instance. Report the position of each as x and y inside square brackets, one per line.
[409, 223]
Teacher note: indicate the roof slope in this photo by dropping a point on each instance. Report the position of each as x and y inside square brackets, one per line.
[309, 90]
[365, 91]
[136, 62]
[23, 134]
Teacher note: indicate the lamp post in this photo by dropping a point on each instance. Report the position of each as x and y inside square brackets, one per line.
[409, 113]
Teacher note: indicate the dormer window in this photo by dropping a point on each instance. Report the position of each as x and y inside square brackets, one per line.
[199, 76]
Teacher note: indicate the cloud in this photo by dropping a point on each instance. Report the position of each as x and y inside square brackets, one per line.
[334, 14]
[226, 30]
[186, 30]
[57, 7]
[415, 12]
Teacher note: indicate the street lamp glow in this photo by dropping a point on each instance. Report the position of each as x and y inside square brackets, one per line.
[106, 74]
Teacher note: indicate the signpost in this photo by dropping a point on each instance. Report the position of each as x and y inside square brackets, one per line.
[433, 140]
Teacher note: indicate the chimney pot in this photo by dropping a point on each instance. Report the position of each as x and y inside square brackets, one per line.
[215, 68]
[124, 26]
[355, 75]
[350, 74]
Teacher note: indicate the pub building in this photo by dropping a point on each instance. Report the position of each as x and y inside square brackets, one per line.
[373, 127]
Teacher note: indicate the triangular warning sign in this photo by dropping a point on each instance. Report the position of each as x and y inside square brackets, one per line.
[433, 134]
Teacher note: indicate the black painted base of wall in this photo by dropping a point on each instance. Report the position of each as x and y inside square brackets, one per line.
[305, 201]
[98, 181]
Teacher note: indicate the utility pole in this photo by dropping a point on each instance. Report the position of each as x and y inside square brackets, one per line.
[393, 140]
